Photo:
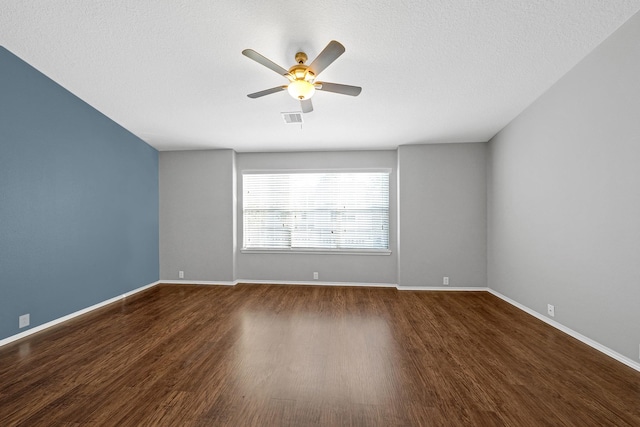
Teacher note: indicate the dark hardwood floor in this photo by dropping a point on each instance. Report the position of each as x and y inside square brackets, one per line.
[179, 355]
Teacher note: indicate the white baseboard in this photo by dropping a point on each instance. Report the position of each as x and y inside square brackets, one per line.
[198, 282]
[317, 283]
[606, 350]
[72, 315]
[441, 288]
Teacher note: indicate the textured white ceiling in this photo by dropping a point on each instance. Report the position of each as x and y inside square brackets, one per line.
[171, 71]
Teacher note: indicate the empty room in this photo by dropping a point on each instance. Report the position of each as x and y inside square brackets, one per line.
[411, 213]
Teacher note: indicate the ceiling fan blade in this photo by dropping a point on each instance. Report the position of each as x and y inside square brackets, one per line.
[266, 92]
[306, 106]
[326, 57]
[252, 54]
[338, 88]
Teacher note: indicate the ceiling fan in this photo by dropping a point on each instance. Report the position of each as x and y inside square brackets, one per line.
[302, 78]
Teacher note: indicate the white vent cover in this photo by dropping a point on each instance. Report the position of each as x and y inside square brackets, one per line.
[292, 118]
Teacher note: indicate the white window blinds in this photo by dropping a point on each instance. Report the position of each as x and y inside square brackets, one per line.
[319, 210]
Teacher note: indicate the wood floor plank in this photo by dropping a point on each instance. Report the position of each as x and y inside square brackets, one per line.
[311, 356]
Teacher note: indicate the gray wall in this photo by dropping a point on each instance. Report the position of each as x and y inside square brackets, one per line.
[564, 198]
[441, 200]
[78, 202]
[197, 215]
[331, 268]
[442, 214]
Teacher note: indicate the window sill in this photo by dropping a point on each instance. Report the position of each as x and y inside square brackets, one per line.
[376, 252]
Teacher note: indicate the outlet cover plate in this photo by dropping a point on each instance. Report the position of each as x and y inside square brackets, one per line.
[24, 320]
[551, 310]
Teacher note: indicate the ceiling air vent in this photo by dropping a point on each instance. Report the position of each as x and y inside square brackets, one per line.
[292, 118]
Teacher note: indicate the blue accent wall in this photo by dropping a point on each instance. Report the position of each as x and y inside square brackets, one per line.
[78, 202]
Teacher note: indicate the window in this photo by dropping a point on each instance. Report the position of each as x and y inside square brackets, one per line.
[332, 211]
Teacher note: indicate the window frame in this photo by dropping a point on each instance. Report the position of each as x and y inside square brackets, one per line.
[315, 251]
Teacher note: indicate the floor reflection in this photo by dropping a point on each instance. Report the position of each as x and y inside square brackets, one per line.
[315, 355]
[24, 350]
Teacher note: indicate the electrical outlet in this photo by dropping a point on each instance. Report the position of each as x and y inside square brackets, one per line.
[551, 310]
[445, 280]
[315, 275]
[23, 321]
[180, 274]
